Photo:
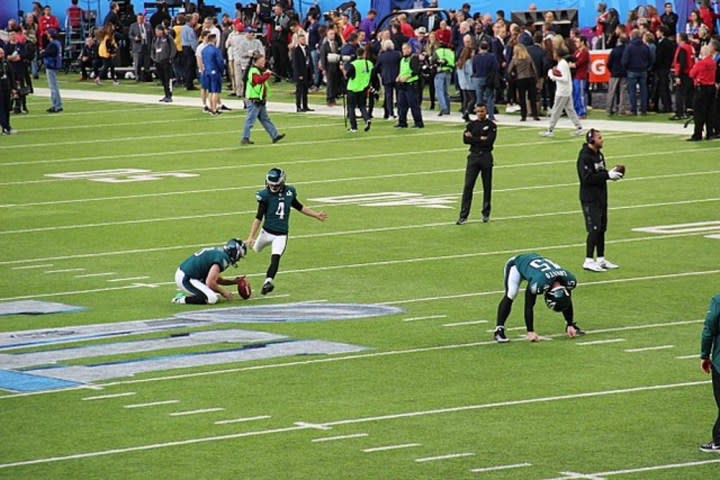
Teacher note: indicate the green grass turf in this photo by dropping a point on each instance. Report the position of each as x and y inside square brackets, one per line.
[557, 405]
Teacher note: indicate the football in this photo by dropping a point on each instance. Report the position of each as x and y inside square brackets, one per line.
[243, 287]
[620, 168]
[556, 72]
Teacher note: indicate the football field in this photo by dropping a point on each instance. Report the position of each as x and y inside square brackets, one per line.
[373, 358]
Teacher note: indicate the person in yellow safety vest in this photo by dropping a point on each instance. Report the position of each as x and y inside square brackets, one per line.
[444, 59]
[256, 91]
[358, 74]
[407, 82]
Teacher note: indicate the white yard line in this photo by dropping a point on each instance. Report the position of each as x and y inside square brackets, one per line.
[335, 180]
[64, 270]
[648, 349]
[600, 342]
[358, 232]
[339, 437]
[110, 395]
[192, 441]
[444, 457]
[391, 447]
[196, 412]
[126, 279]
[90, 275]
[30, 267]
[242, 420]
[500, 467]
[151, 404]
[610, 473]
[689, 357]
[463, 324]
[427, 317]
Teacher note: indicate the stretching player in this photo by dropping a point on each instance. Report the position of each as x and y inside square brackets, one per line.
[544, 277]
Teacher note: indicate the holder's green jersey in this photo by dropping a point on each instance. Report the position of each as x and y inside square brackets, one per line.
[275, 208]
[199, 264]
[540, 273]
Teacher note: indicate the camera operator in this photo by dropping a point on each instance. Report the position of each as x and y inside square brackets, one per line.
[279, 45]
[359, 73]
[330, 65]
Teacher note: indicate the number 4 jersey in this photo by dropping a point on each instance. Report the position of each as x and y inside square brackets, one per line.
[275, 207]
[540, 273]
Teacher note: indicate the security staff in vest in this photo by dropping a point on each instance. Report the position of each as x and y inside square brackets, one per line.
[407, 83]
[480, 135]
[444, 60]
[358, 73]
[256, 91]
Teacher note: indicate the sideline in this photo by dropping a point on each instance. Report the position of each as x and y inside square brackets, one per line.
[502, 119]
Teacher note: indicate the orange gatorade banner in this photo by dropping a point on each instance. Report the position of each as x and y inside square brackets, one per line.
[599, 72]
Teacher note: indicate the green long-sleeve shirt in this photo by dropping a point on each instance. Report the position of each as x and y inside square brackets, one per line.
[710, 340]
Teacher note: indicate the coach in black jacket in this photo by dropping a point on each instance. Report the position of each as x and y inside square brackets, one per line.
[593, 175]
[480, 134]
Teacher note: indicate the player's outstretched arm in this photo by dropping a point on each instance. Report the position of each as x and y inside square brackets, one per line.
[312, 213]
[253, 232]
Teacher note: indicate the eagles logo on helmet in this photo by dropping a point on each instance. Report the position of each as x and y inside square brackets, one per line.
[236, 249]
[558, 298]
[275, 179]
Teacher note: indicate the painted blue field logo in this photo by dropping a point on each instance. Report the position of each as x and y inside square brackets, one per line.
[292, 312]
[55, 366]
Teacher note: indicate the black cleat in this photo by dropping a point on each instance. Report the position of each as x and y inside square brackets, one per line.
[499, 335]
[710, 448]
[461, 221]
[267, 288]
[278, 138]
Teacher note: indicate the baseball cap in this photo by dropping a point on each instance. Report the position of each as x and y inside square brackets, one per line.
[421, 31]
[239, 26]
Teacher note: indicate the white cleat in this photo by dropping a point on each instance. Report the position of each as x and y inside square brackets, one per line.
[547, 133]
[593, 266]
[607, 265]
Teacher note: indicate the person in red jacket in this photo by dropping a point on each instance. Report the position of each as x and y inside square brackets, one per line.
[707, 15]
[703, 76]
[581, 64]
[45, 23]
[683, 61]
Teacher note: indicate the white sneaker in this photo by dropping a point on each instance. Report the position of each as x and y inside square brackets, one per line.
[577, 132]
[593, 266]
[547, 133]
[512, 108]
[607, 265]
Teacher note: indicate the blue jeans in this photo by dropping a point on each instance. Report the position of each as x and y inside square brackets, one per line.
[314, 57]
[633, 79]
[485, 94]
[442, 83]
[579, 97]
[257, 111]
[54, 89]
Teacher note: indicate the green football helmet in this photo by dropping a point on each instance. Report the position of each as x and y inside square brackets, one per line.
[558, 298]
[275, 179]
[236, 249]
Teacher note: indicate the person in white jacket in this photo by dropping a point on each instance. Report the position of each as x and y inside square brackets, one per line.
[563, 95]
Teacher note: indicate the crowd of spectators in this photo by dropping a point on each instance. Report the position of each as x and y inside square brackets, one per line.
[476, 56]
